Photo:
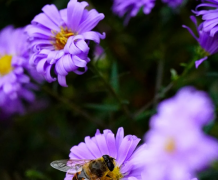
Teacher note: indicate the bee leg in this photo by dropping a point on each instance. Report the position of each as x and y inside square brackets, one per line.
[108, 177]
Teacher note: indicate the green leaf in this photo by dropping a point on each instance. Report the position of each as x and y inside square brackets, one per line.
[103, 107]
[36, 175]
[183, 64]
[145, 115]
[174, 75]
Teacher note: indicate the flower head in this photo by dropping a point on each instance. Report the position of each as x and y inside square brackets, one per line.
[175, 141]
[58, 38]
[210, 16]
[121, 148]
[131, 7]
[14, 84]
[209, 44]
[173, 3]
[196, 106]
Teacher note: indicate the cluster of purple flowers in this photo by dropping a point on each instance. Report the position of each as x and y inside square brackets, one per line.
[175, 147]
[56, 42]
[130, 8]
[56, 39]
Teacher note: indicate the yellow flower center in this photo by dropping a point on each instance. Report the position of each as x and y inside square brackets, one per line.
[170, 145]
[61, 38]
[5, 65]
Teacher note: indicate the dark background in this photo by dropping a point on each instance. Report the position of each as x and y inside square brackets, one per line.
[140, 60]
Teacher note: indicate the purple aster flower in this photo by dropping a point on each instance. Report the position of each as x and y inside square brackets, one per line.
[210, 16]
[14, 84]
[196, 107]
[58, 39]
[176, 144]
[121, 147]
[131, 7]
[173, 3]
[208, 43]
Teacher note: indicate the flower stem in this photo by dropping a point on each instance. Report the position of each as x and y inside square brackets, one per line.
[112, 91]
[166, 89]
[74, 107]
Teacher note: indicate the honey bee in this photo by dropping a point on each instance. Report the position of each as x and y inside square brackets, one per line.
[103, 168]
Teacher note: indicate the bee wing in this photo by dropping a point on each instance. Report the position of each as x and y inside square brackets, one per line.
[70, 166]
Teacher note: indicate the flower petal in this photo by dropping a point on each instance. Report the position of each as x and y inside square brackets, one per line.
[74, 13]
[44, 20]
[124, 149]
[62, 80]
[52, 12]
[102, 144]
[90, 22]
[82, 151]
[119, 137]
[92, 146]
[198, 62]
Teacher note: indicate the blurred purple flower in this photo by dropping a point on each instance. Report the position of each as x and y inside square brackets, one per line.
[131, 7]
[208, 43]
[121, 148]
[14, 84]
[210, 16]
[58, 38]
[98, 52]
[173, 3]
[196, 106]
[176, 145]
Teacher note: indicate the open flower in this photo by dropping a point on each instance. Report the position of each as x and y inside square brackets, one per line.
[121, 148]
[14, 84]
[173, 3]
[131, 7]
[196, 106]
[208, 43]
[58, 38]
[209, 16]
[176, 144]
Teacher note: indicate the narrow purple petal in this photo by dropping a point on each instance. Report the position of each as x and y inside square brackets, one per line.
[45, 21]
[75, 13]
[102, 144]
[79, 62]
[112, 145]
[93, 147]
[119, 136]
[62, 80]
[124, 149]
[82, 151]
[52, 12]
[92, 20]
[198, 62]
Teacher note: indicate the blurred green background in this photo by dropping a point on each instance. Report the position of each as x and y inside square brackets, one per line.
[143, 64]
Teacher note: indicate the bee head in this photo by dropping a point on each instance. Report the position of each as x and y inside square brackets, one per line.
[109, 162]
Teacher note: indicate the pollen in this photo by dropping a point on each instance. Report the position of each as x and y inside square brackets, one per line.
[61, 38]
[115, 174]
[170, 146]
[5, 65]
